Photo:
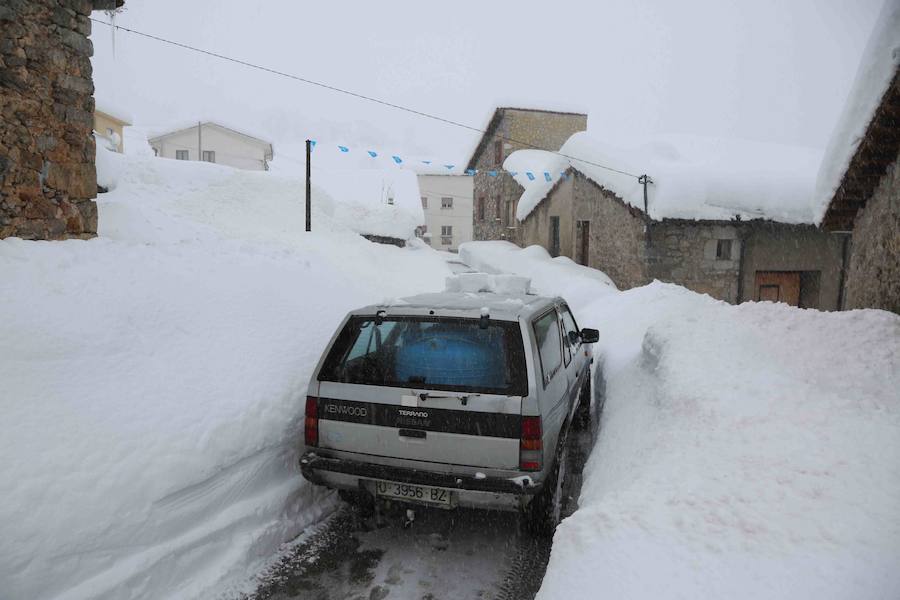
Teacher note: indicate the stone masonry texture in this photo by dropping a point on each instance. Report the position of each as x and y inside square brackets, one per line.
[873, 273]
[47, 174]
[500, 194]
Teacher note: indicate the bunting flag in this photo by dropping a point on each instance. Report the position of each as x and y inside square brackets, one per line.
[548, 177]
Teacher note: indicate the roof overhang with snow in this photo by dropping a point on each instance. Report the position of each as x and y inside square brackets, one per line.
[878, 148]
[866, 137]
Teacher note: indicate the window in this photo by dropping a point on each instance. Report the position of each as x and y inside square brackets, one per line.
[436, 353]
[446, 202]
[569, 327]
[209, 156]
[390, 200]
[498, 152]
[497, 208]
[554, 236]
[723, 250]
[182, 155]
[109, 131]
[481, 209]
[546, 333]
[446, 235]
[424, 202]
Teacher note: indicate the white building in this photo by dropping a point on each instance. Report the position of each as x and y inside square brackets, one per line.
[447, 202]
[214, 143]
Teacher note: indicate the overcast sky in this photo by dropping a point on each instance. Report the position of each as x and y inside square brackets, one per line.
[768, 70]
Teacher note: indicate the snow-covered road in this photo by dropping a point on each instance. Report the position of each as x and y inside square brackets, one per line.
[443, 555]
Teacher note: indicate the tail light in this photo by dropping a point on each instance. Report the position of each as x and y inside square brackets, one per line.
[531, 446]
[311, 430]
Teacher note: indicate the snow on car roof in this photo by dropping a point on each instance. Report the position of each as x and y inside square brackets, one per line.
[470, 304]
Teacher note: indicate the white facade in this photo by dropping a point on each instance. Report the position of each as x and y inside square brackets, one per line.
[215, 143]
[447, 202]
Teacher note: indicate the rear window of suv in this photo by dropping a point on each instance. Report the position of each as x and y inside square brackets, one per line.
[439, 353]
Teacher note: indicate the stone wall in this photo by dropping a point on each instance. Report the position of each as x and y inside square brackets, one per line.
[873, 274]
[545, 129]
[685, 252]
[47, 174]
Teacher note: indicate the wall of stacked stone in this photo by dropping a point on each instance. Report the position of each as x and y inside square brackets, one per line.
[47, 174]
[873, 273]
[501, 194]
[684, 252]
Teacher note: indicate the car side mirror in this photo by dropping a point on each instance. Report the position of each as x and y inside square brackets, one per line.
[590, 336]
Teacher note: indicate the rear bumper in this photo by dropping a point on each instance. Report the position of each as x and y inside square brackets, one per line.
[486, 492]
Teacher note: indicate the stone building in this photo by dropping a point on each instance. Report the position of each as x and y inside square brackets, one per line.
[732, 260]
[860, 177]
[47, 176]
[495, 191]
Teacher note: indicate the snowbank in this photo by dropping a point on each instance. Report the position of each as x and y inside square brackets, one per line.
[153, 379]
[747, 451]
[554, 276]
[879, 63]
[693, 177]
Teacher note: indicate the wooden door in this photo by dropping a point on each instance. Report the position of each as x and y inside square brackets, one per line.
[778, 286]
[584, 236]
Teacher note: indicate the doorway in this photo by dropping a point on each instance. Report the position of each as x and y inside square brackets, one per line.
[583, 247]
[778, 286]
[554, 236]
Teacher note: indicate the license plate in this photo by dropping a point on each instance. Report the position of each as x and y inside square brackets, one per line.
[413, 493]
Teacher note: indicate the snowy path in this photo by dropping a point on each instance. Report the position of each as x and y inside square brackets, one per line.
[444, 555]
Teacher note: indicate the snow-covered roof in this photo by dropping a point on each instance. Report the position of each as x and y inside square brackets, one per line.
[693, 177]
[877, 69]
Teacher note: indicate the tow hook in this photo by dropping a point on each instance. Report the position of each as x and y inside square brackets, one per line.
[410, 517]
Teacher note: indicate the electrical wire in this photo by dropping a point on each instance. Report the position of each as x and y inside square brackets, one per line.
[355, 95]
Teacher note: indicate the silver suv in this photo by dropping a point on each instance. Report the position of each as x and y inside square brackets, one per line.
[451, 399]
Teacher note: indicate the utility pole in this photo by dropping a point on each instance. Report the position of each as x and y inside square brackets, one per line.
[308, 186]
[644, 180]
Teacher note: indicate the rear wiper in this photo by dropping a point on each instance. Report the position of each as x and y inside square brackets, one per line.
[464, 399]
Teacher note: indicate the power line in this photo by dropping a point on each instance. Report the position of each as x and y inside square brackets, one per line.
[353, 94]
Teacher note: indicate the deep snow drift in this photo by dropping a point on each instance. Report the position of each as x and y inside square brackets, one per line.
[153, 378]
[747, 451]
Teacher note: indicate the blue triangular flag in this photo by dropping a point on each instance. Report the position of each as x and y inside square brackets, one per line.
[372, 153]
[397, 159]
[312, 145]
[426, 162]
[470, 171]
[449, 167]
[547, 176]
[513, 173]
[343, 148]
[562, 175]
[492, 173]
[530, 175]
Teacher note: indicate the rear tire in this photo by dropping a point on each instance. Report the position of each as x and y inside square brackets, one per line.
[544, 512]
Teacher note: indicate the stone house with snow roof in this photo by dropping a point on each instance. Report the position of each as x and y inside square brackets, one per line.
[494, 191]
[734, 260]
[860, 177]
